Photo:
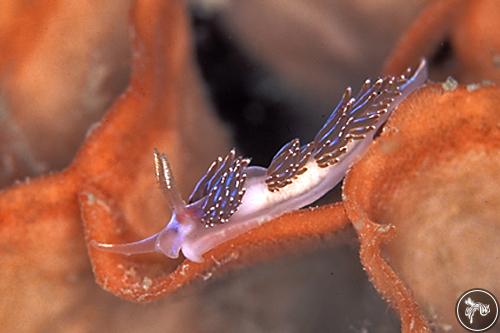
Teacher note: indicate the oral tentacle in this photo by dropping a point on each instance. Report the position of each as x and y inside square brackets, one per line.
[146, 245]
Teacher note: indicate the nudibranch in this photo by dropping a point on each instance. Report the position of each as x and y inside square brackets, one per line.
[232, 197]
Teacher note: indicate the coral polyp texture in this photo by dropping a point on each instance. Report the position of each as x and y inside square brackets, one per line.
[431, 184]
[83, 109]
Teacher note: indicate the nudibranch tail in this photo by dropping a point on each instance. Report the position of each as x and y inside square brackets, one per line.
[231, 197]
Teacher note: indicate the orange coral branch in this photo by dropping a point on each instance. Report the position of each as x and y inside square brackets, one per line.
[112, 180]
[57, 77]
[40, 231]
[148, 277]
[412, 188]
[431, 26]
[110, 214]
[372, 236]
[20, 22]
[471, 28]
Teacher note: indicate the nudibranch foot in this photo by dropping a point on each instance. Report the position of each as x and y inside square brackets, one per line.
[232, 198]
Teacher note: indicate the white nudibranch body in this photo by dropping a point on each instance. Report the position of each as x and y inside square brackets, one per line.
[232, 197]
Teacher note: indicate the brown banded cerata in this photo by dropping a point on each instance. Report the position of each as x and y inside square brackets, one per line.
[233, 197]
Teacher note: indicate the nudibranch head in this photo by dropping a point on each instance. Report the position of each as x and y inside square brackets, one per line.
[232, 198]
[214, 200]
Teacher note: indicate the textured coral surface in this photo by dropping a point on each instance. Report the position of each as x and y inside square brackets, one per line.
[57, 77]
[435, 185]
[41, 235]
[459, 37]
[90, 88]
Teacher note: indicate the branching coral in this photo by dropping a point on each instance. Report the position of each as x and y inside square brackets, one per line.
[57, 78]
[111, 176]
[429, 183]
[40, 231]
[460, 37]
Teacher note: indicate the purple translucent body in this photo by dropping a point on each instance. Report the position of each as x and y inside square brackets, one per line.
[259, 205]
